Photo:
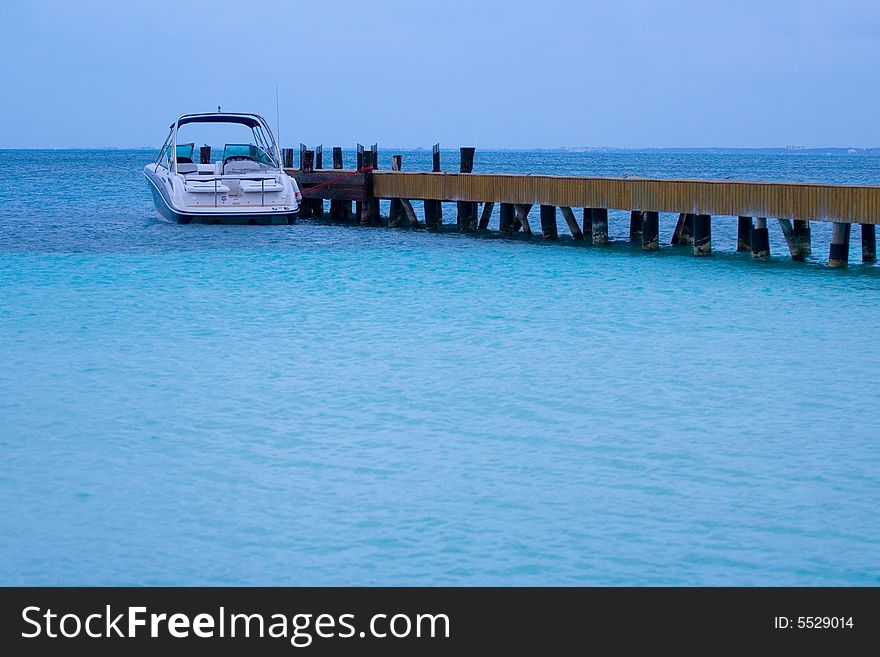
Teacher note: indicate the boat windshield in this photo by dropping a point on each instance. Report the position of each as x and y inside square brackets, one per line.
[233, 152]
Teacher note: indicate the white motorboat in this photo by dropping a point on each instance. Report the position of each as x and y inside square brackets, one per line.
[245, 185]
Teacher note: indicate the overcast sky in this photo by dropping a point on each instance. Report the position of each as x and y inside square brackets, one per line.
[510, 73]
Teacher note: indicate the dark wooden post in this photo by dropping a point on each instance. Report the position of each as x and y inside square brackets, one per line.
[307, 207]
[869, 243]
[467, 210]
[205, 155]
[600, 225]
[337, 208]
[801, 231]
[433, 208]
[522, 216]
[683, 235]
[395, 211]
[588, 224]
[287, 158]
[549, 231]
[369, 211]
[760, 240]
[375, 214]
[486, 215]
[793, 242]
[505, 219]
[318, 203]
[838, 256]
[359, 205]
[650, 231]
[635, 226]
[576, 232]
[302, 151]
[702, 235]
[744, 234]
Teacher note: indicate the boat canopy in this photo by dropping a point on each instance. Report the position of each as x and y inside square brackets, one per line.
[250, 120]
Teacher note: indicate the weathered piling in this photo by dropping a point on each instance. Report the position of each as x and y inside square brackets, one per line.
[522, 216]
[549, 231]
[370, 206]
[486, 215]
[744, 234]
[375, 213]
[635, 226]
[760, 240]
[318, 203]
[205, 155]
[838, 256]
[588, 224]
[306, 165]
[702, 235]
[339, 210]
[797, 237]
[395, 210]
[434, 208]
[869, 243]
[573, 227]
[600, 225]
[801, 230]
[359, 205]
[467, 210]
[505, 219]
[650, 231]
[287, 158]
[683, 235]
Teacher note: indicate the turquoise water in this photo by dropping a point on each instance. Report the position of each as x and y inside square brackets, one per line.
[338, 405]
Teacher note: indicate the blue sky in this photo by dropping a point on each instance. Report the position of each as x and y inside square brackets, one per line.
[625, 73]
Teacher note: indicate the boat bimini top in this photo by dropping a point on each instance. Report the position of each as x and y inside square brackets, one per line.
[263, 152]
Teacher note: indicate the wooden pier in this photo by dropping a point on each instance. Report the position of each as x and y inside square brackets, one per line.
[793, 205]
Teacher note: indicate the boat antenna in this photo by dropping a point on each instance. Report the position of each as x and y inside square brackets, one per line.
[277, 117]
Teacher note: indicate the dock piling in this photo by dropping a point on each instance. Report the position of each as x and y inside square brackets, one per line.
[205, 155]
[522, 216]
[395, 211]
[650, 231]
[760, 240]
[744, 234]
[433, 208]
[486, 215]
[792, 239]
[549, 231]
[600, 225]
[838, 256]
[467, 210]
[287, 158]
[869, 243]
[702, 235]
[801, 229]
[635, 226]
[505, 219]
[683, 235]
[570, 219]
[588, 224]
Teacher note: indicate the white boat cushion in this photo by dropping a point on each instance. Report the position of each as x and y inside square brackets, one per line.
[205, 187]
[268, 185]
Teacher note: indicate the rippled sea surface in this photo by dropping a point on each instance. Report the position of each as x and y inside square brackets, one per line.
[316, 404]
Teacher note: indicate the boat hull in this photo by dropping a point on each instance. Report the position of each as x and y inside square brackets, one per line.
[168, 212]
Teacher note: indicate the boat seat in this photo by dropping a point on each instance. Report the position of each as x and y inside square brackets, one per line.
[242, 167]
[267, 185]
[205, 187]
[186, 167]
